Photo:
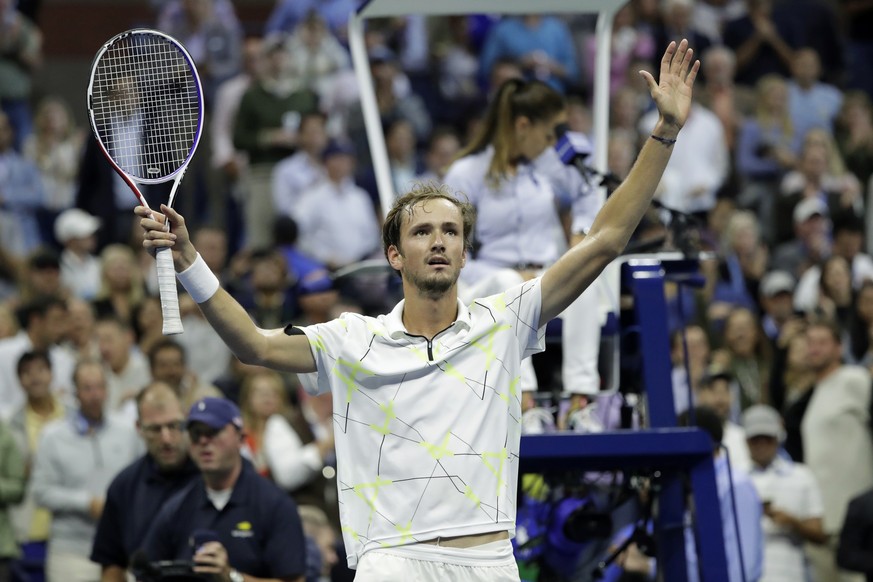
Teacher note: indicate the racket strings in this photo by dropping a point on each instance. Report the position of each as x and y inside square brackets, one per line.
[146, 105]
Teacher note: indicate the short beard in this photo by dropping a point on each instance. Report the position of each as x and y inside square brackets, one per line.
[432, 287]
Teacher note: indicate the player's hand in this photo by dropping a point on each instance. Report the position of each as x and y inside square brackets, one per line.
[155, 236]
[672, 91]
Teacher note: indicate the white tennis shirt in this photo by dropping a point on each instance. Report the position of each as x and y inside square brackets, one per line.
[427, 431]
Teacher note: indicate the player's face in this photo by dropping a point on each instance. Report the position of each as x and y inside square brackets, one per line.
[162, 426]
[432, 247]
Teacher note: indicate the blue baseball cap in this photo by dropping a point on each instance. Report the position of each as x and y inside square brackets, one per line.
[215, 412]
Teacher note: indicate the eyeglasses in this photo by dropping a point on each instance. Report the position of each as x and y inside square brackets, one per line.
[199, 430]
[174, 426]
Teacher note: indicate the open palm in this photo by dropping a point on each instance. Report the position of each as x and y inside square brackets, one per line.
[672, 92]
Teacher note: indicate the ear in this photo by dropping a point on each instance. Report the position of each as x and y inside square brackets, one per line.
[395, 258]
[521, 124]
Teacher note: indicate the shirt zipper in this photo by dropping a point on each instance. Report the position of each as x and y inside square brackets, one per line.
[430, 340]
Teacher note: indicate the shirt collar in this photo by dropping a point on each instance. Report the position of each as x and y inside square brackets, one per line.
[240, 487]
[780, 466]
[393, 321]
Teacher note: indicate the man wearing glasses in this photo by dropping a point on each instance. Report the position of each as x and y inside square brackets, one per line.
[233, 524]
[141, 489]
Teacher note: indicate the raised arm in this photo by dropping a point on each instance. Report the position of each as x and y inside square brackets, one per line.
[564, 281]
[252, 345]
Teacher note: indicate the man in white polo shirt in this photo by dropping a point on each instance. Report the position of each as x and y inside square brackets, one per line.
[426, 402]
[793, 507]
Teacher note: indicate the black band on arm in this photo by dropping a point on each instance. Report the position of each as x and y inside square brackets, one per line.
[667, 141]
[291, 330]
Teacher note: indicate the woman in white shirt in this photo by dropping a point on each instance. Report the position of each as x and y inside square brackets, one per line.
[512, 175]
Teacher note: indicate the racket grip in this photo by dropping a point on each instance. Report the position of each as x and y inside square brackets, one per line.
[169, 293]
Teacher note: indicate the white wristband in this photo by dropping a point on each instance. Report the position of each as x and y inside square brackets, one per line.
[199, 281]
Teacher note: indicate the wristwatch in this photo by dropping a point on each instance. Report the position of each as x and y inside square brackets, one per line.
[235, 576]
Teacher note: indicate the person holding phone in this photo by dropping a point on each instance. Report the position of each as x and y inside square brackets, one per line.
[232, 523]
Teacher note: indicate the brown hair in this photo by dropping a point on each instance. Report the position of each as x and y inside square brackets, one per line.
[516, 98]
[420, 193]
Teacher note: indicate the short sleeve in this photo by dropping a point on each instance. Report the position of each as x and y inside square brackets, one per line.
[325, 341]
[520, 307]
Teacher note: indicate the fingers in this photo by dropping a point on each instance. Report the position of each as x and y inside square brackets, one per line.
[650, 80]
[692, 75]
[175, 218]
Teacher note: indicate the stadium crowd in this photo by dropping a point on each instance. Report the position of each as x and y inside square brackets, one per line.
[772, 177]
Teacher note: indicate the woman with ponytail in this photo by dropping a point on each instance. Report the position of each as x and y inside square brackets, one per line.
[521, 192]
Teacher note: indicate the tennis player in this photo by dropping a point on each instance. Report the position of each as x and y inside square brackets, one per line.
[426, 402]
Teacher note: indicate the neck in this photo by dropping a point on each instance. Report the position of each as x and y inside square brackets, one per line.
[428, 315]
[42, 405]
[825, 372]
[223, 480]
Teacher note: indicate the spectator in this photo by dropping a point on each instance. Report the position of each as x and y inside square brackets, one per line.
[80, 342]
[122, 288]
[287, 14]
[832, 294]
[43, 324]
[138, 492]
[256, 527]
[168, 365]
[394, 99]
[282, 444]
[820, 174]
[764, 40]
[728, 101]
[746, 352]
[212, 36]
[837, 440]
[296, 174]
[855, 551]
[854, 134]
[338, 224]
[688, 374]
[32, 523]
[403, 160]
[542, 45]
[858, 17]
[148, 323]
[22, 194]
[775, 296]
[12, 476]
[767, 147]
[442, 148]
[315, 55]
[677, 23]
[714, 391]
[20, 55]
[740, 507]
[316, 295]
[266, 128]
[81, 272]
[229, 162]
[317, 528]
[862, 326]
[126, 368]
[710, 16]
[76, 459]
[41, 276]
[790, 495]
[270, 296]
[630, 42]
[811, 102]
[55, 148]
[811, 243]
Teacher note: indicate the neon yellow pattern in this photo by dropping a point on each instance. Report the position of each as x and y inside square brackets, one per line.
[501, 456]
[468, 493]
[350, 379]
[390, 415]
[486, 344]
[439, 451]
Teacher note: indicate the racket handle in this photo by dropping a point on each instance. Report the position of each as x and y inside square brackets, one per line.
[169, 293]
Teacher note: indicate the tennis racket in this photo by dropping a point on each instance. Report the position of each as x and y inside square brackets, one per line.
[145, 103]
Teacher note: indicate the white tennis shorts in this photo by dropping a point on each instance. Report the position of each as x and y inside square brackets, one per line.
[491, 562]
